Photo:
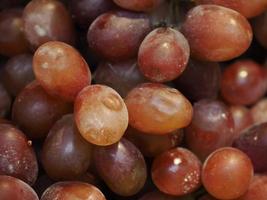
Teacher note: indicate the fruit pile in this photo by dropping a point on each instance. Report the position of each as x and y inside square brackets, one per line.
[133, 100]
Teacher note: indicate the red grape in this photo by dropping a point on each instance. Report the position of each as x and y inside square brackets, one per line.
[163, 55]
[17, 73]
[121, 76]
[122, 167]
[243, 82]
[212, 127]
[227, 173]
[247, 8]
[153, 145]
[15, 189]
[260, 30]
[100, 114]
[12, 40]
[35, 112]
[117, 35]
[65, 154]
[259, 111]
[254, 143]
[86, 11]
[176, 172]
[61, 70]
[200, 80]
[47, 20]
[157, 109]
[17, 157]
[71, 191]
[139, 5]
[207, 30]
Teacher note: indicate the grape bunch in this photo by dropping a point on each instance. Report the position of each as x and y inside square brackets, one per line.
[133, 99]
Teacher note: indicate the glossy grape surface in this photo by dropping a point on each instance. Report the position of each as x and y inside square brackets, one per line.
[71, 191]
[254, 143]
[65, 154]
[15, 189]
[227, 173]
[61, 70]
[35, 112]
[122, 167]
[157, 109]
[12, 40]
[117, 35]
[100, 114]
[47, 20]
[243, 83]
[207, 30]
[249, 9]
[86, 11]
[212, 127]
[17, 157]
[176, 172]
[163, 55]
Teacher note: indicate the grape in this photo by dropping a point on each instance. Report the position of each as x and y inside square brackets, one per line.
[12, 40]
[153, 145]
[253, 142]
[207, 30]
[163, 55]
[71, 191]
[200, 80]
[160, 196]
[14, 189]
[5, 102]
[65, 154]
[17, 73]
[176, 172]
[249, 9]
[61, 70]
[242, 118]
[212, 127]
[121, 166]
[259, 111]
[47, 20]
[17, 157]
[157, 109]
[117, 35]
[35, 112]
[121, 76]
[257, 189]
[260, 30]
[86, 11]
[227, 173]
[100, 114]
[138, 5]
[243, 83]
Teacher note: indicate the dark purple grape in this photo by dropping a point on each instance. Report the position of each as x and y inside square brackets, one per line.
[200, 80]
[254, 143]
[85, 12]
[121, 76]
[17, 73]
[65, 154]
[122, 167]
[5, 102]
[17, 157]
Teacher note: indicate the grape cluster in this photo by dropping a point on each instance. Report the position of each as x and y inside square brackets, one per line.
[133, 99]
